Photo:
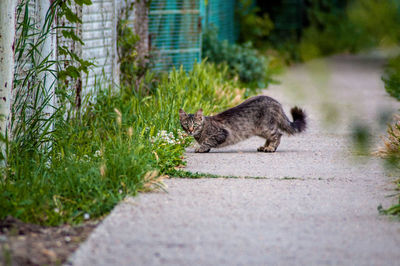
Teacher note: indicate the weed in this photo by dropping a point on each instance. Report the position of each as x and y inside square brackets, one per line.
[187, 174]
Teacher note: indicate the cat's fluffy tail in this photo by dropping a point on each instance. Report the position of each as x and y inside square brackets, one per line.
[299, 123]
[299, 119]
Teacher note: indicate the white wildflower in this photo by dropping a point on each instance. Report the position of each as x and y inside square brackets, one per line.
[168, 137]
[97, 153]
[56, 210]
[86, 216]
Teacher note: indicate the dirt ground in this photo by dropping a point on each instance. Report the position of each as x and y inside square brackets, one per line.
[31, 244]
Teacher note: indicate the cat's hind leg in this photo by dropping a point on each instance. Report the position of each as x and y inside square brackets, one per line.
[272, 143]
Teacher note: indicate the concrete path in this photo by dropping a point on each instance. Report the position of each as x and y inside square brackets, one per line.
[314, 201]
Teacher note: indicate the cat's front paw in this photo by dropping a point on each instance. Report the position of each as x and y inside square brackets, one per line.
[202, 150]
[266, 149]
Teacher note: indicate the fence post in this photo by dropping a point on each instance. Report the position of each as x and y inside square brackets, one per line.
[7, 36]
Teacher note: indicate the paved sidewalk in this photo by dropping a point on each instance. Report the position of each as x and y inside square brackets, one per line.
[314, 201]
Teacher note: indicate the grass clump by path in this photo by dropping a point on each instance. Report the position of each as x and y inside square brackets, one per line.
[121, 143]
[391, 149]
[391, 152]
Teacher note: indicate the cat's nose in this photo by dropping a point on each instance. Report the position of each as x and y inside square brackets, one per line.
[190, 129]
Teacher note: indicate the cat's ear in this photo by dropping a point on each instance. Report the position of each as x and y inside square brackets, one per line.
[182, 113]
[199, 113]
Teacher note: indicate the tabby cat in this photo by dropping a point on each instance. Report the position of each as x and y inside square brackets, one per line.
[257, 116]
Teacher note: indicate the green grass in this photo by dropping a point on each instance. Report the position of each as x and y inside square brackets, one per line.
[196, 175]
[117, 146]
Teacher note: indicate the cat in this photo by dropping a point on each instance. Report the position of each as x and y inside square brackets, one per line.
[260, 116]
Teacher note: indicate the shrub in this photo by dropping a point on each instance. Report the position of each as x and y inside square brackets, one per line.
[391, 77]
[242, 60]
[122, 143]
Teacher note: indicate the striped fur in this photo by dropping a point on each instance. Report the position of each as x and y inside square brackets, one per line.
[257, 116]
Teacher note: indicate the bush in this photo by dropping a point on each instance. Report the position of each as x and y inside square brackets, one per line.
[391, 77]
[242, 60]
[123, 142]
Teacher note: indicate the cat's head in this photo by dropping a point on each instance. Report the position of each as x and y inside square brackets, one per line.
[192, 123]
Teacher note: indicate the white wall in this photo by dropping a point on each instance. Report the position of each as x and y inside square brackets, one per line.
[100, 38]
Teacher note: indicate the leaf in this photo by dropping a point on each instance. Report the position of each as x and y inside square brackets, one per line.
[73, 72]
[71, 16]
[71, 35]
[83, 2]
[87, 2]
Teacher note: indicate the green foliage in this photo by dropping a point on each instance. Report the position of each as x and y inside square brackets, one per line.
[134, 69]
[380, 19]
[252, 26]
[331, 31]
[76, 65]
[242, 60]
[391, 77]
[331, 27]
[122, 143]
[127, 52]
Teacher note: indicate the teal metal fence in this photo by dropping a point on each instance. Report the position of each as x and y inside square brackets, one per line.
[175, 28]
[175, 33]
[220, 14]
